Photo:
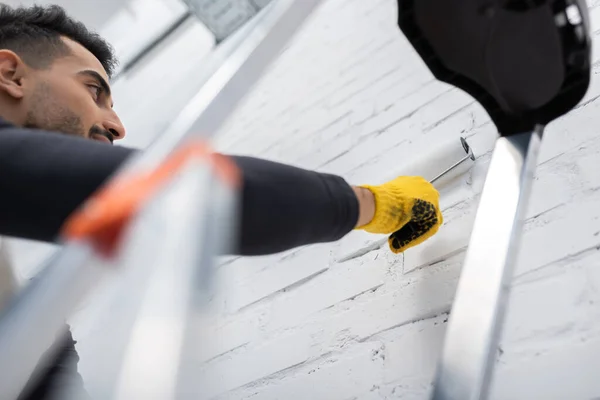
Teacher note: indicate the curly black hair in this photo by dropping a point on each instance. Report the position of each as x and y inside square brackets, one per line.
[34, 33]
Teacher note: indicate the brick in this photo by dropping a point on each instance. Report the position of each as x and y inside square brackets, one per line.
[411, 357]
[423, 341]
[405, 107]
[353, 242]
[230, 333]
[356, 371]
[244, 268]
[404, 300]
[570, 230]
[570, 131]
[563, 300]
[332, 329]
[566, 371]
[339, 283]
[287, 271]
[233, 371]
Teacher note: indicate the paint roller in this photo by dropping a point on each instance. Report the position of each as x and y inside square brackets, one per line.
[451, 160]
[442, 165]
[459, 167]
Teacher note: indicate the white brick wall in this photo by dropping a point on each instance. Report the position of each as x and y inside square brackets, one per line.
[350, 96]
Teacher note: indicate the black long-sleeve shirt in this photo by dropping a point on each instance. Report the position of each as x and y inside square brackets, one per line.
[45, 176]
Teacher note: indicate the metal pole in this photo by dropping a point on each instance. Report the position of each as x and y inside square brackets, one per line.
[176, 255]
[475, 324]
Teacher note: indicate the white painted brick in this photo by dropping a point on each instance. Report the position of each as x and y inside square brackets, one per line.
[594, 17]
[563, 232]
[411, 353]
[409, 85]
[564, 299]
[406, 299]
[339, 283]
[570, 131]
[403, 300]
[370, 148]
[566, 371]
[464, 123]
[288, 271]
[356, 371]
[243, 268]
[406, 107]
[353, 241]
[233, 371]
[230, 333]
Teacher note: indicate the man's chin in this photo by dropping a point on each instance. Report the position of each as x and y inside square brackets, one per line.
[66, 123]
[56, 129]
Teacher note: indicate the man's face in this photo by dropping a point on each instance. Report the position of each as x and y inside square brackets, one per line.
[72, 96]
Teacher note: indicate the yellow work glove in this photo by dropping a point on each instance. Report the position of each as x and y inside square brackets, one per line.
[408, 209]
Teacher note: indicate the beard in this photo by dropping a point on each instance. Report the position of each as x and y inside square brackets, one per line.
[48, 114]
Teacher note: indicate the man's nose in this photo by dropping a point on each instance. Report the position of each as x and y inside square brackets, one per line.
[114, 126]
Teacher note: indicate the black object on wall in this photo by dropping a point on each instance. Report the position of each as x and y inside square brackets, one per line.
[525, 62]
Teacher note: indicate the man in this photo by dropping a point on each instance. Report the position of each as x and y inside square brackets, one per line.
[54, 94]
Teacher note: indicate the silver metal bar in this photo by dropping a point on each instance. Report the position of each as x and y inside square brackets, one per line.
[28, 328]
[178, 255]
[475, 324]
[237, 64]
[231, 72]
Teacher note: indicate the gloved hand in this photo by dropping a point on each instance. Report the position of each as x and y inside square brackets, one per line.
[408, 209]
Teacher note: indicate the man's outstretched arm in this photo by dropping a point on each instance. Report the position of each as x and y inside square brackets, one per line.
[285, 207]
[45, 176]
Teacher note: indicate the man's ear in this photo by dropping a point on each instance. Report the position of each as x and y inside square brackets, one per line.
[12, 69]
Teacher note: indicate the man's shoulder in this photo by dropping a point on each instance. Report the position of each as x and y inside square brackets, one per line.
[8, 129]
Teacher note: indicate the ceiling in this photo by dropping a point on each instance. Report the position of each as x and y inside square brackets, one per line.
[93, 13]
